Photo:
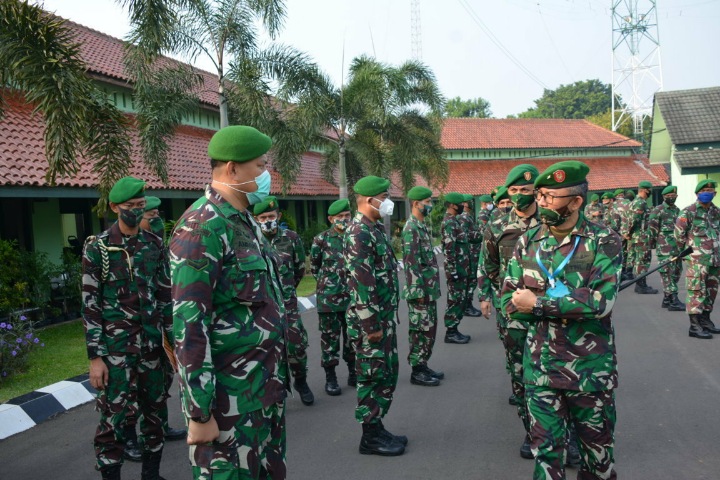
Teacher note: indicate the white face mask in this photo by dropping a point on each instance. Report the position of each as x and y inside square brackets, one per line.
[387, 207]
[490, 206]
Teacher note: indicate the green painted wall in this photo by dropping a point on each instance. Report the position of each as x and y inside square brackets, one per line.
[48, 229]
[686, 185]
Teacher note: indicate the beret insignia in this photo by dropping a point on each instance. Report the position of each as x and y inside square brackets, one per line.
[559, 176]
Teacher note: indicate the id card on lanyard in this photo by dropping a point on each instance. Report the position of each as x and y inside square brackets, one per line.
[557, 288]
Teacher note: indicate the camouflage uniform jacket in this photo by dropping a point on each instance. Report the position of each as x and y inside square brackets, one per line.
[483, 217]
[230, 331]
[617, 212]
[327, 265]
[291, 263]
[591, 209]
[699, 227]
[661, 229]
[474, 235]
[372, 269]
[497, 249]
[455, 246]
[635, 218]
[572, 346]
[422, 276]
[125, 292]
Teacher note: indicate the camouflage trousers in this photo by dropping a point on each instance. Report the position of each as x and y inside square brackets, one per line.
[626, 254]
[640, 255]
[127, 372]
[422, 328]
[702, 288]
[133, 405]
[333, 327]
[456, 302]
[670, 273]
[472, 282]
[376, 365]
[514, 344]
[297, 341]
[592, 413]
[251, 446]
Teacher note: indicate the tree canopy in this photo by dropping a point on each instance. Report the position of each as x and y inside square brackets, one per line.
[474, 107]
[578, 100]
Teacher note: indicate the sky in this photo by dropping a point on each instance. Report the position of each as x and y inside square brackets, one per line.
[505, 51]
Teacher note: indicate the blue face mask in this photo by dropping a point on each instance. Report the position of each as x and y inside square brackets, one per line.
[706, 197]
[263, 182]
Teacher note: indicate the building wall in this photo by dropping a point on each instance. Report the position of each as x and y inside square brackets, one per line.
[47, 228]
[686, 185]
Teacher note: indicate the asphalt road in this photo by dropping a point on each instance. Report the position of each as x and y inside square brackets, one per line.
[668, 409]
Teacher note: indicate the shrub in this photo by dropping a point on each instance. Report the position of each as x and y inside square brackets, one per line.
[309, 233]
[17, 339]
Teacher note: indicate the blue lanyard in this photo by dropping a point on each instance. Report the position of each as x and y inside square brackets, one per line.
[551, 276]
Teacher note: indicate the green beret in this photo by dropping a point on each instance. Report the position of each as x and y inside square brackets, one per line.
[594, 197]
[563, 174]
[151, 203]
[607, 195]
[267, 205]
[629, 194]
[523, 174]
[669, 189]
[454, 198]
[501, 193]
[619, 191]
[644, 184]
[419, 193]
[469, 198]
[339, 206]
[485, 199]
[705, 183]
[371, 185]
[127, 188]
[238, 143]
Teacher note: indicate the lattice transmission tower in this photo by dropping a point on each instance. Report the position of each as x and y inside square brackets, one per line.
[415, 31]
[637, 72]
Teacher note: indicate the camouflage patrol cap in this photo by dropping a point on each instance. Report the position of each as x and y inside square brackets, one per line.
[151, 203]
[669, 189]
[523, 174]
[619, 192]
[501, 193]
[238, 143]
[563, 174]
[629, 194]
[485, 199]
[127, 188]
[594, 197]
[705, 183]
[454, 198]
[419, 193]
[371, 185]
[608, 195]
[339, 206]
[268, 205]
[644, 184]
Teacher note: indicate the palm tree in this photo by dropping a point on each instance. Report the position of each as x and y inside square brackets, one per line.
[40, 60]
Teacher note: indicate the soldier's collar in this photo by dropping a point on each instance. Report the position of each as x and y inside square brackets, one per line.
[223, 206]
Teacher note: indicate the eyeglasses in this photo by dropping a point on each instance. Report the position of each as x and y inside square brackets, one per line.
[549, 199]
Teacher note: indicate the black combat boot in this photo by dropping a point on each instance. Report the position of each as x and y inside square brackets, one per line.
[420, 377]
[452, 335]
[331, 384]
[573, 452]
[352, 375]
[675, 304]
[110, 473]
[437, 374]
[175, 433]
[373, 442]
[301, 386]
[525, 451]
[471, 311]
[642, 288]
[667, 298]
[513, 400]
[707, 324]
[151, 466]
[696, 330]
[132, 450]
[402, 439]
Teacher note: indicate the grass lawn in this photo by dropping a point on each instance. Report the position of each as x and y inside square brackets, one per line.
[307, 286]
[63, 356]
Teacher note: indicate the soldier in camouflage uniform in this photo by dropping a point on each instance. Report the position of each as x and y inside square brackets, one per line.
[373, 284]
[474, 236]
[607, 205]
[594, 210]
[229, 319]
[618, 211]
[422, 287]
[483, 216]
[562, 281]
[291, 262]
[503, 202]
[328, 267]
[633, 229]
[126, 311]
[661, 236]
[456, 248]
[497, 248]
[698, 226]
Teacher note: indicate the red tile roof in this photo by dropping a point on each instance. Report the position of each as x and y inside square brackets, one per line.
[23, 162]
[480, 177]
[526, 133]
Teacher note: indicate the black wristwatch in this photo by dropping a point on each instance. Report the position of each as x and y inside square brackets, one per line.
[202, 418]
[538, 308]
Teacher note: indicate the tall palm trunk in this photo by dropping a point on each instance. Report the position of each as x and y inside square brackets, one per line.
[343, 172]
